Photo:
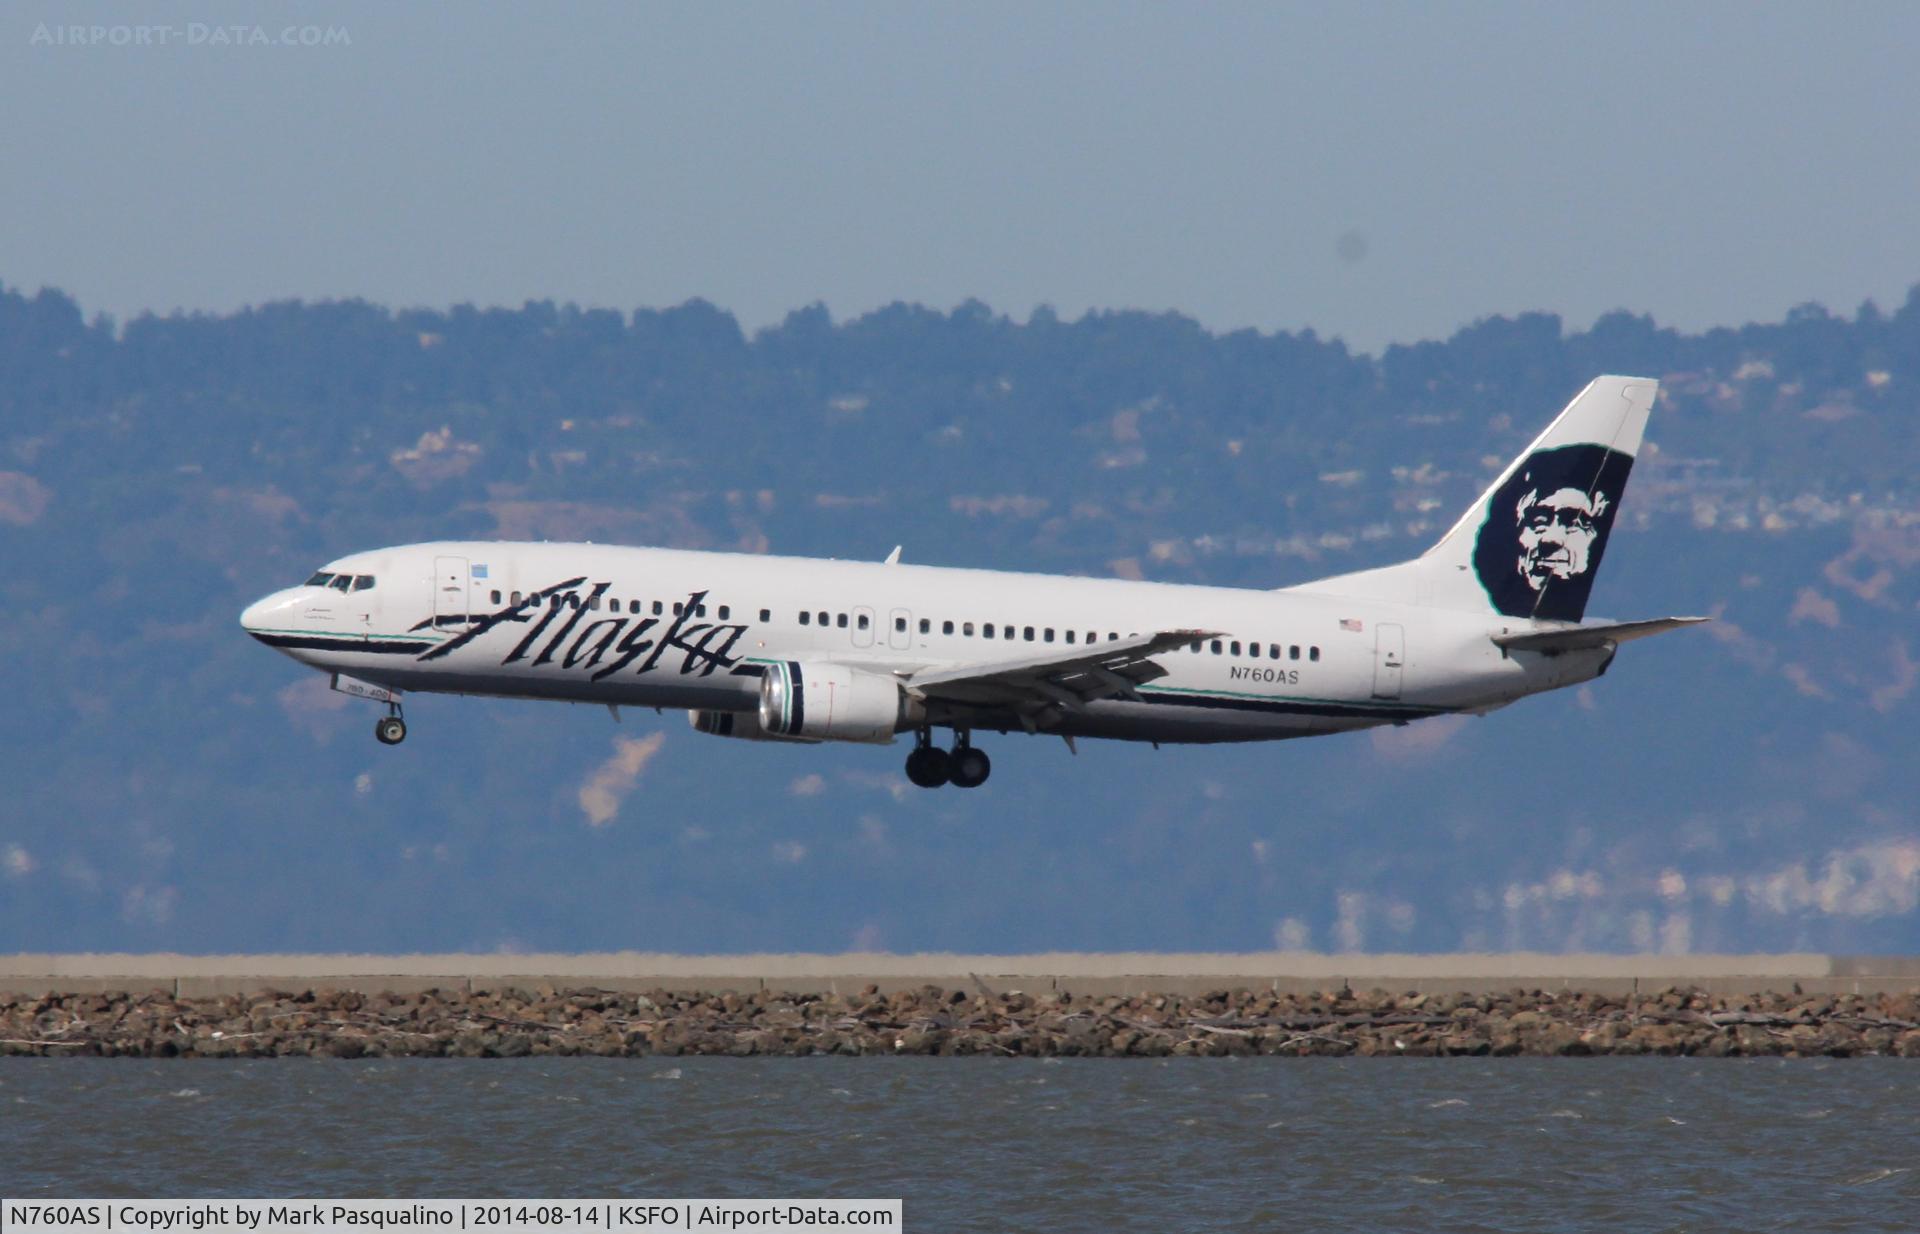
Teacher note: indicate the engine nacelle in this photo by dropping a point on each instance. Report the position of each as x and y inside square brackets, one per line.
[831, 702]
[740, 725]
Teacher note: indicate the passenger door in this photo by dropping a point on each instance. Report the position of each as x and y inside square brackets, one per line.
[1389, 657]
[451, 579]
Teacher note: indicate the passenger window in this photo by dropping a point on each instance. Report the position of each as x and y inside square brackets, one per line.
[863, 621]
[496, 597]
[1112, 637]
[1293, 653]
[1216, 646]
[593, 602]
[841, 620]
[699, 610]
[926, 627]
[633, 606]
[1070, 634]
[805, 618]
[946, 627]
[1273, 651]
[1194, 648]
[1315, 653]
[676, 608]
[823, 619]
[1028, 634]
[986, 631]
[320, 579]
[516, 599]
[967, 629]
[1236, 647]
[726, 611]
[766, 614]
[658, 607]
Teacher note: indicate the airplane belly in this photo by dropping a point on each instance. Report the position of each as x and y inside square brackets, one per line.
[1177, 720]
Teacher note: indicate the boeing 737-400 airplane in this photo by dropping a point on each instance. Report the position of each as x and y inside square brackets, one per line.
[796, 649]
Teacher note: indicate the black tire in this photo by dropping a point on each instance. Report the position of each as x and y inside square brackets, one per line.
[390, 730]
[928, 766]
[968, 767]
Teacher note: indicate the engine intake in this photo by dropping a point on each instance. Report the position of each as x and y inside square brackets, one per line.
[832, 702]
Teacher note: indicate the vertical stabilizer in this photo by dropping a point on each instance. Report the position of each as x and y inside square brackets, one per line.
[1531, 546]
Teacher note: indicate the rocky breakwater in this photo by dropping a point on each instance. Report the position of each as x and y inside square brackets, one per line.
[930, 1020]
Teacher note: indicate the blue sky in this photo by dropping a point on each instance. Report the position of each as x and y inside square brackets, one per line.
[1377, 171]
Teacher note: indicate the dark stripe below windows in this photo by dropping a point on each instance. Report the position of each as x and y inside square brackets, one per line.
[385, 647]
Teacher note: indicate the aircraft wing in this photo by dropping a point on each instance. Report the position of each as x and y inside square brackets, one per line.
[1591, 635]
[1070, 677]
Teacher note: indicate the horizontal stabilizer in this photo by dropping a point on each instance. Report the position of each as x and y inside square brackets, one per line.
[1592, 635]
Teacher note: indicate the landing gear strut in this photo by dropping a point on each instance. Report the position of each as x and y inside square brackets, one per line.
[929, 766]
[391, 729]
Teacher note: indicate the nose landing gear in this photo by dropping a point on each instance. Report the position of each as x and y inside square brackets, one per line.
[929, 766]
[391, 729]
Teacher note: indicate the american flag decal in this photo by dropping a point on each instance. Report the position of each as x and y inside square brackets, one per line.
[480, 571]
[1350, 623]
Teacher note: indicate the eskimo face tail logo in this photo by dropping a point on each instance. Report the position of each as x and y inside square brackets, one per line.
[1546, 528]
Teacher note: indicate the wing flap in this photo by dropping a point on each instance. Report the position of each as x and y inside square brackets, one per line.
[1068, 677]
[1592, 635]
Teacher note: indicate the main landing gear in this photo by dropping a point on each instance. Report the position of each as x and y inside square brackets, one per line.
[391, 729]
[964, 767]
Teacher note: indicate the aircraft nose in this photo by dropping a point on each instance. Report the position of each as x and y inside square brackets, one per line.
[262, 613]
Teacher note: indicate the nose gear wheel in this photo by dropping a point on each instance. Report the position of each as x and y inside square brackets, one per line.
[390, 729]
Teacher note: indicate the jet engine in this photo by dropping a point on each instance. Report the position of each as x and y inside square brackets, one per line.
[832, 702]
[740, 725]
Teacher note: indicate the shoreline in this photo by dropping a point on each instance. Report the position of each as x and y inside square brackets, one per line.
[559, 1020]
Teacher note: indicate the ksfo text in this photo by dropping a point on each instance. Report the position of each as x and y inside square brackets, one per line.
[711, 1216]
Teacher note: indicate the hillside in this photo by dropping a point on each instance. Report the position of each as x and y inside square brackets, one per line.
[174, 786]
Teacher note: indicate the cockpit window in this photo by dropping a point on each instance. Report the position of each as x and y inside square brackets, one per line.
[320, 580]
[363, 582]
[341, 582]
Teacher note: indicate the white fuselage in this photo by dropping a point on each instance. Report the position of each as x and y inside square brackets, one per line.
[668, 628]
